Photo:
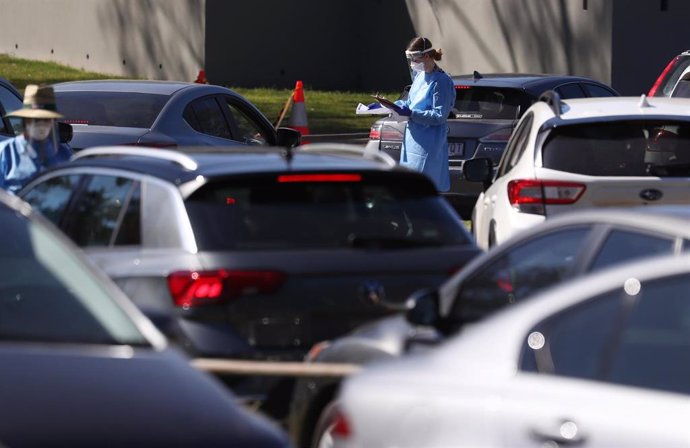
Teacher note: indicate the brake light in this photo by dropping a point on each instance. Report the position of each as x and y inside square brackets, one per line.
[531, 196]
[284, 178]
[462, 87]
[375, 132]
[662, 76]
[502, 135]
[195, 288]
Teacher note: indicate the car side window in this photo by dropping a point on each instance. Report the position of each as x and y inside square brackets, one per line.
[519, 272]
[516, 145]
[625, 245]
[244, 128]
[206, 116]
[593, 90]
[100, 209]
[571, 90]
[52, 197]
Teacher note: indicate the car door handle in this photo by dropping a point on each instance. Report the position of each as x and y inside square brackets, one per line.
[565, 433]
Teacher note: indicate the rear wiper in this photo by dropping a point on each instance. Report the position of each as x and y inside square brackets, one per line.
[670, 169]
[387, 242]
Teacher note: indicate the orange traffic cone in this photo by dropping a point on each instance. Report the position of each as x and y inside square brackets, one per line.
[298, 117]
[201, 77]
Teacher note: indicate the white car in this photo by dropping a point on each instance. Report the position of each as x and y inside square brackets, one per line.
[596, 363]
[571, 154]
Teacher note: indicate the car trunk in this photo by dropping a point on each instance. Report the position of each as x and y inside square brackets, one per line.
[85, 136]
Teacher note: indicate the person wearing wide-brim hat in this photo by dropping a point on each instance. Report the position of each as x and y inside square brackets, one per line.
[37, 146]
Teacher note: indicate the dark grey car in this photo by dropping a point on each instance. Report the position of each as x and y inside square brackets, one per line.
[255, 253]
[163, 114]
[487, 108]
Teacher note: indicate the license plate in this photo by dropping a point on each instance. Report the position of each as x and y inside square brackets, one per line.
[455, 149]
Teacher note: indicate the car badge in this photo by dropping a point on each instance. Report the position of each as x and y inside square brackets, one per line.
[651, 194]
[372, 291]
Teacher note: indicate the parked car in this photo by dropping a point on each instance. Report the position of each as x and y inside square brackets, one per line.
[670, 75]
[10, 100]
[256, 253]
[599, 362]
[163, 114]
[81, 366]
[568, 246]
[574, 154]
[487, 108]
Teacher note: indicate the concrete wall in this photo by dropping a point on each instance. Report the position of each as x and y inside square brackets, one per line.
[157, 39]
[348, 44]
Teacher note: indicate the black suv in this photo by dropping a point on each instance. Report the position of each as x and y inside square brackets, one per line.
[487, 108]
[255, 253]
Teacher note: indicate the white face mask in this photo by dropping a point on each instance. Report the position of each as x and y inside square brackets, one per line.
[417, 66]
[39, 130]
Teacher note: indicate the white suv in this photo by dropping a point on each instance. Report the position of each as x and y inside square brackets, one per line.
[572, 154]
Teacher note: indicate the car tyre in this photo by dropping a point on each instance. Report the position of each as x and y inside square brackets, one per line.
[322, 437]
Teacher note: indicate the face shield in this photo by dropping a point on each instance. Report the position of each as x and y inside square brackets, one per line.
[415, 60]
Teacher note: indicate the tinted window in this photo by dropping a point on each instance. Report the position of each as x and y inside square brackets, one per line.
[594, 90]
[121, 109]
[244, 128]
[516, 145]
[682, 89]
[48, 295]
[573, 342]
[570, 91]
[99, 209]
[52, 197]
[489, 102]
[519, 272]
[379, 211]
[621, 246]
[667, 84]
[206, 116]
[620, 148]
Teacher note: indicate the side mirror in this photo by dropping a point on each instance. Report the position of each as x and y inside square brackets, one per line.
[479, 170]
[65, 132]
[288, 137]
[423, 308]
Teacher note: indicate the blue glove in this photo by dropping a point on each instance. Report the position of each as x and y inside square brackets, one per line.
[403, 111]
[374, 106]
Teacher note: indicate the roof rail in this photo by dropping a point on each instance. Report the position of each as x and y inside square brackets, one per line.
[349, 149]
[178, 158]
[553, 99]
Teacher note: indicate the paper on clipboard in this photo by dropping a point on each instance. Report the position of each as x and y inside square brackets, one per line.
[366, 110]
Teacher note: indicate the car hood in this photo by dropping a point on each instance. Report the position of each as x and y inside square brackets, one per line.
[76, 396]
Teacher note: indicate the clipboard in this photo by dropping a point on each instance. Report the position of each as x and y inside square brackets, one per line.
[386, 102]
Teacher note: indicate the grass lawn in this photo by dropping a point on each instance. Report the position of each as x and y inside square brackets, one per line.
[327, 112]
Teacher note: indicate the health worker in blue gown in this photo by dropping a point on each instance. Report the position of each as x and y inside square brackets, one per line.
[37, 147]
[431, 97]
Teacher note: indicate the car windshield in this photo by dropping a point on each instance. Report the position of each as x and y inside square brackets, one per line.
[374, 211]
[120, 109]
[489, 102]
[48, 295]
[620, 148]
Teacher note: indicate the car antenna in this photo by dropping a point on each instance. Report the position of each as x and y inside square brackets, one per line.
[477, 75]
[644, 102]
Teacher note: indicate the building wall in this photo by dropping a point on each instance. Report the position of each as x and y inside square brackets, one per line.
[348, 44]
[156, 39]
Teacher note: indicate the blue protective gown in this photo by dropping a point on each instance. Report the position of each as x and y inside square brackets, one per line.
[19, 160]
[425, 147]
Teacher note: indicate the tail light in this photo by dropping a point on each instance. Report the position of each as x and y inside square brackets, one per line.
[375, 132]
[392, 134]
[502, 135]
[292, 178]
[532, 196]
[341, 425]
[662, 76]
[196, 288]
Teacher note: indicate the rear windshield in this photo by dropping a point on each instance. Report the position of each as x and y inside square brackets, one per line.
[376, 211]
[120, 109]
[620, 148]
[489, 102]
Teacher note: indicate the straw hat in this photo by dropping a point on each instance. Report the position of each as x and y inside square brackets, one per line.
[39, 102]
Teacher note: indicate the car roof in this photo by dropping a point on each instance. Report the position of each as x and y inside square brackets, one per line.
[614, 107]
[187, 164]
[124, 85]
[528, 81]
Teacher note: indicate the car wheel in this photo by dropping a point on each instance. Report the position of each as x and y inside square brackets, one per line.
[323, 437]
